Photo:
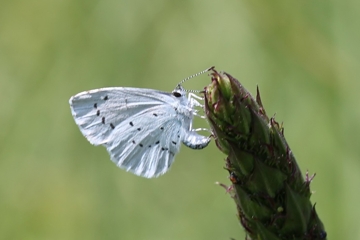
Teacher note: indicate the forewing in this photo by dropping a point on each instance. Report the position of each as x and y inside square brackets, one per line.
[97, 112]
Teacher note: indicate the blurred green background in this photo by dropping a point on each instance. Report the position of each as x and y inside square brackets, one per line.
[304, 55]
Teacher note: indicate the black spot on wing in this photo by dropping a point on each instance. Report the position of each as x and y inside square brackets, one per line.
[157, 142]
[141, 145]
[133, 142]
[173, 142]
[103, 120]
[98, 112]
[155, 114]
[139, 129]
[112, 126]
[131, 124]
[95, 105]
[106, 98]
[162, 128]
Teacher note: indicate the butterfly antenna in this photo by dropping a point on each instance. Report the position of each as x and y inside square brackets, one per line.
[195, 75]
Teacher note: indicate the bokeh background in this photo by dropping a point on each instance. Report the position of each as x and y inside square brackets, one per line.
[304, 55]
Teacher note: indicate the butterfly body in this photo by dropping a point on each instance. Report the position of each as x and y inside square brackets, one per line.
[142, 129]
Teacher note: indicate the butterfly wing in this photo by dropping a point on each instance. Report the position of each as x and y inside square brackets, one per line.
[139, 127]
[149, 143]
[98, 111]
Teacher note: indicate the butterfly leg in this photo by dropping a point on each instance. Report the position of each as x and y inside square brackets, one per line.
[193, 102]
[192, 139]
[193, 95]
[202, 129]
[198, 115]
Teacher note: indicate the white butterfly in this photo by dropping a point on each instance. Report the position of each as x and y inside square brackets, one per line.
[142, 129]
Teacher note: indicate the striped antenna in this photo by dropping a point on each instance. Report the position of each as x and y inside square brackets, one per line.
[195, 75]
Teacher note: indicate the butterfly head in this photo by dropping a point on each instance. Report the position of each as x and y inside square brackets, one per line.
[180, 94]
[179, 91]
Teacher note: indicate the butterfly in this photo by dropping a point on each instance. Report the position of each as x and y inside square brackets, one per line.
[142, 129]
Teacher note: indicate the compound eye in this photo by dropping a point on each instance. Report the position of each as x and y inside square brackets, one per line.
[177, 94]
